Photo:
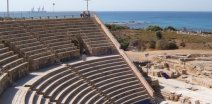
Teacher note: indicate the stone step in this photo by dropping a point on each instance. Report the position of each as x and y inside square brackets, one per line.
[80, 95]
[96, 41]
[42, 83]
[103, 65]
[24, 41]
[20, 96]
[23, 50]
[106, 70]
[142, 96]
[42, 79]
[113, 79]
[67, 91]
[100, 78]
[102, 100]
[19, 71]
[13, 64]
[39, 101]
[101, 45]
[125, 90]
[35, 99]
[29, 53]
[39, 55]
[6, 54]
[137, 99]
[28, 96]
[90, 30]
[51, 35]
[5, 36]
[31, 98]
[94, 62]
[3, 50]
[15, 39]
[93, 38]
[61, 46]
[68, 54]
[73, 93]
[90, 97]
[122, 86]
[12, 31]
[8, 60]
[55, 83]
[65, 49]
[60, 87]
[28, 45]
[111, 84]
[43, 61]
[59, 43]
[1, 45]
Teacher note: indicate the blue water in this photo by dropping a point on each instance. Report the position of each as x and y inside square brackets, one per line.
[191, 20]
[196, 21]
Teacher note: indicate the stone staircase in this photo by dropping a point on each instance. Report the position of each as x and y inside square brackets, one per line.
[100, 81]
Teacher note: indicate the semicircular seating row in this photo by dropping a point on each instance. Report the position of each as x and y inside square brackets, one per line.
[100, 81]
[33, 44]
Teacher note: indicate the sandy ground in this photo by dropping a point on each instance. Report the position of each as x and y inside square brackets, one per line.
[203, 94]
[173, 85]
[141, 55]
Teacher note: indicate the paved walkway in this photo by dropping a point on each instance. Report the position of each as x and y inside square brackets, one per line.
[203, 94]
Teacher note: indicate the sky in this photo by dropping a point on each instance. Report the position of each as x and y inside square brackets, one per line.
[110, 5]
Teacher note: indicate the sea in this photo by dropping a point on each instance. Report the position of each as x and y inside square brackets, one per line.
[191, 21]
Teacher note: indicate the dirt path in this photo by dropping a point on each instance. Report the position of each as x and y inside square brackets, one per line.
[141, 55]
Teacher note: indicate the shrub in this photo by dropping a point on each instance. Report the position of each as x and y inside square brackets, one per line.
[124, 43]
[160, 44]
[171, 45]
[140, 46]
[170, 28]
[154, 28]
[183, 44]
[165, 45]
[151, 44]
[159, 35]
[115, 27]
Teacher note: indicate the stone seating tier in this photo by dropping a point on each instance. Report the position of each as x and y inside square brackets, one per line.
[102, 80]
[42, 42]
[11, 67]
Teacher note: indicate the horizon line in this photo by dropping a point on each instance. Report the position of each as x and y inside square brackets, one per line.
[113, 11]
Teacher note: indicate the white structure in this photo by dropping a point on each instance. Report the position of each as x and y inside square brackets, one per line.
[8, 13]
[87, 3]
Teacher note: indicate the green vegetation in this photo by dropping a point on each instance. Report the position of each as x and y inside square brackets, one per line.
[170, 28]
[165, 39]
[165, 45]
[158, 28]
[116, 27]
[159, 35]
[155, 37]
[124, 43]
[151, 44]
[154, 28]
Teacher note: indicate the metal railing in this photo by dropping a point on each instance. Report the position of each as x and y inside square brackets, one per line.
[41, 15]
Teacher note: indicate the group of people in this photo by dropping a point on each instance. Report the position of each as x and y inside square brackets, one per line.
[85, 14]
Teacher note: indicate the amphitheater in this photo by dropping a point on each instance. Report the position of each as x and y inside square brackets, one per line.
[40, 63]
